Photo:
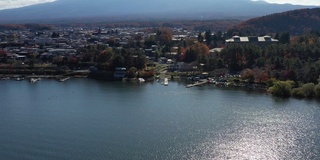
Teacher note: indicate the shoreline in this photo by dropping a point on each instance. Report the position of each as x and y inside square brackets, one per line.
[188, 83]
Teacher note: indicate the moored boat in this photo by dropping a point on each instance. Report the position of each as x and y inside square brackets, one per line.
[165, 81]
[34, 80]
[19, 79]
[141, 80]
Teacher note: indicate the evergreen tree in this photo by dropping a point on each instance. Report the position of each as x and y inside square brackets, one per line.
[200, 37]
[208, 37]
[284, 38]
[191, 55]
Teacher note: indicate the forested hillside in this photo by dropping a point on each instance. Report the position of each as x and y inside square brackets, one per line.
[294, 22]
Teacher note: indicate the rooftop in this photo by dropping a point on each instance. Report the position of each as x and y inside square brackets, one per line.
[238, 39]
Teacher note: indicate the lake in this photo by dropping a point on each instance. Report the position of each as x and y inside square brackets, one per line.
[88, 119]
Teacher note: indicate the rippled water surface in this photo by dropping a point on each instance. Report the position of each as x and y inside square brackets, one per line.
[87, 119]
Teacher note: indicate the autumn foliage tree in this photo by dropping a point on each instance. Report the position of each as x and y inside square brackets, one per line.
[104, 58]
[105, 55]
[200, 48]
[164, 36]
[193, 52]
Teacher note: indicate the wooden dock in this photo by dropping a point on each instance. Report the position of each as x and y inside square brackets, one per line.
[199, 83]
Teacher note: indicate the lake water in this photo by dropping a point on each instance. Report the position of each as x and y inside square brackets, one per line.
[88, 119]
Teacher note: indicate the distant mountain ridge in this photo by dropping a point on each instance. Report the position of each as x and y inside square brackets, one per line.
[294, 22]
[139, 9]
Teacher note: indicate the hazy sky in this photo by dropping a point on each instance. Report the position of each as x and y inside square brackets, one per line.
[6, 4]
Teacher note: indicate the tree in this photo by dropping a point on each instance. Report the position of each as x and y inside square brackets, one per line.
[190, 55]
[211, 64]
[317, 90]
[284, 38]
[308, 90]
[281, 89]
[219, 36]
[261, 76]
[139, 60]
[200, 37]
[72, 61]
[31, 60]
[200, 48]
[132, 72]
[248, 74]
[118, 61]
[204, 60]
[261, 62]
[207, 36]
[55, 35]
[105, 55]
[150, 41]
[276, 36]
[233, 57]
[311, 74]
[164, 36]
[86, 57]
[297, 92]
[58, 60]
[111, 42]
[251, 53]
[181, 54]
[3, 56]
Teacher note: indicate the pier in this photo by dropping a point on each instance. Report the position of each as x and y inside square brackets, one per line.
[64, 79]
[198, 83]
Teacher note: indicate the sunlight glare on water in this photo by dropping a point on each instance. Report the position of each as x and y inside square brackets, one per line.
[260, 135]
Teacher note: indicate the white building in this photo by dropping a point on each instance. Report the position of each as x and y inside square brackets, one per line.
[264, 40]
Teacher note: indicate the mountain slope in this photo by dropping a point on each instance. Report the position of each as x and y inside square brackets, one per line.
[166, 9]
[294, 22]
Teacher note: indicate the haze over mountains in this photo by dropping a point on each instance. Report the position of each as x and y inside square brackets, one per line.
[118, 10]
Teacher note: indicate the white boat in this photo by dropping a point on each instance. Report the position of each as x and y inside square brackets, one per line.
[165, 81]
[19, 79]
[34, 80]
[141, 80]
